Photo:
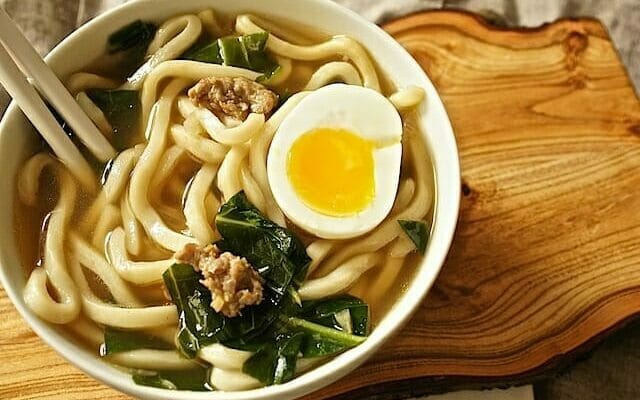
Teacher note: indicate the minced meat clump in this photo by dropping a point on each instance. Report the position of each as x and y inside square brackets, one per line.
[233, 97]
[233, 282]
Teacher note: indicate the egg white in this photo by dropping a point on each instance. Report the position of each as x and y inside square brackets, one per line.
[364, 112]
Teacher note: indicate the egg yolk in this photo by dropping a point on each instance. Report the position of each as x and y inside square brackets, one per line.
[332, 171]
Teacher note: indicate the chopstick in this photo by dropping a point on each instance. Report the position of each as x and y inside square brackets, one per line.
[30, 62]
[36, 110]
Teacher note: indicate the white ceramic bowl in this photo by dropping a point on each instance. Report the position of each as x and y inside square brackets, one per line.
[85, 44]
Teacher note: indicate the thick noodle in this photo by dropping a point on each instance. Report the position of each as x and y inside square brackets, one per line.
[336, 46]
[168, 163]
[109, 219]
[88, 331]
[224, 357]
[407, 98]
[251, 188]
[229, 180]
[232, 380]
[338, 280]
[195, 209]
[151, 359]
[210, 23]
[66, 306]
[137, 272]
[95, 113]
[337, 71]
[172, 39]
[115, 315]
[203, 149]
[230, 136]
[143, 172]
[132, 230]
[91, 259]
[83, 81]
[104, 253]
[119, 173]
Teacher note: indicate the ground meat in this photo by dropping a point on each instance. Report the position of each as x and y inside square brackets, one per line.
[233, 97]
[233, 282]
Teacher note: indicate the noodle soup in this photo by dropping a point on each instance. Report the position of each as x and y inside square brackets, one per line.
[270, 200]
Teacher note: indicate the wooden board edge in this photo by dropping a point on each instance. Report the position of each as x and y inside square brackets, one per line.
[424, 386]
[482, 28]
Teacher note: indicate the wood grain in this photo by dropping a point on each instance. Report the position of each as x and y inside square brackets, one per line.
[546, 255]
[547, 249]
[29, 369]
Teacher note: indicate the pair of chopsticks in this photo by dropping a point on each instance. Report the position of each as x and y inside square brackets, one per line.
[20, 61]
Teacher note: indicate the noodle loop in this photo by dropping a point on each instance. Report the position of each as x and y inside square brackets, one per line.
[108, 256]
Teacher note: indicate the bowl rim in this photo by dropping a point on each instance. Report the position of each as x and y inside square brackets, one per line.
[446, 208]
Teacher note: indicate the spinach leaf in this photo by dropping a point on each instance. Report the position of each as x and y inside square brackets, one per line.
[248, 344]
[209, 53]
[320, 340]
[279, 329]
[275, 362]
[325, 312]
[417, 232]
[191, 379]
[276, 253]
[118, 340]
[122, 110]
[247, 51]
[200, 325]
[128, 45]
[136, 34]
[256, 56]
[318, 346]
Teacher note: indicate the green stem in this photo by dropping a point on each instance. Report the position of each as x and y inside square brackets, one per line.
[342, 337]
[220, 218]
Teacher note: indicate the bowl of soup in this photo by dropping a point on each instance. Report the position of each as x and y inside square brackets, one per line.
[283, 191]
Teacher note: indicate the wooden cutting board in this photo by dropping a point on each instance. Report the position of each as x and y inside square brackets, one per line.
[546, 259]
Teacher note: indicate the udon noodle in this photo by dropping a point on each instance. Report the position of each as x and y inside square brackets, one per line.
[102, 255]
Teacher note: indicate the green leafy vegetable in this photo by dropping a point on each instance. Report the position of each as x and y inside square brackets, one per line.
[209, 53]
[320, 340]
[136, 34]
[247, 51]
[191, 379]
[128, 45]
[276, 253]
[325, 312]
[417, 232]
[275, 362]
[200, 325]
[247, 344]
[277, 351]
[117, 340]
[122, 110]
[281, 328]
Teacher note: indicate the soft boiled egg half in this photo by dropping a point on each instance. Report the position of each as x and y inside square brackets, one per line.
[334, 162]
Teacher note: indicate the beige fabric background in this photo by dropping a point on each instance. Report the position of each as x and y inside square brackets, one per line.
[611, 371]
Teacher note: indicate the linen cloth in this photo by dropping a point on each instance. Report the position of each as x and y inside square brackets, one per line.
[611, 371]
